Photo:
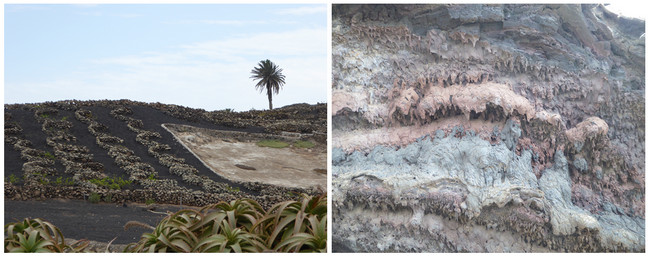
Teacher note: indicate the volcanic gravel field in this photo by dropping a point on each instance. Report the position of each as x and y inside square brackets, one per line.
[66, 206]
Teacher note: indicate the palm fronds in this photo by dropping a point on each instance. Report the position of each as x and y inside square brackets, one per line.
[270, 78]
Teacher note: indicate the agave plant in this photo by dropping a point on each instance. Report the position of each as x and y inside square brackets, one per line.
[230, 239]
[38, 236]
[241, 212]
[314, 240]
[242, 226]
[171, 234]
[290, 220]
[222, 227]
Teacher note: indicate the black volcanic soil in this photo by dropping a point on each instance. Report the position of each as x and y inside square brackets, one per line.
[151, 118]
[102, 222]
[83, 220]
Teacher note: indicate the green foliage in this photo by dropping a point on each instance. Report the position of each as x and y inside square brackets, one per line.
[49, 156]
[115, 183]
[232, 189]
[289, 222]
[64, 118]
[13, 179]
[242, 226]
[94, 197]
[37, 236]
[315, 238]
[150, 201]
[272, 143]
[108, 198]
[45, 115]
[64, 182]
[152, 177]
[43, 180]
[303, 144]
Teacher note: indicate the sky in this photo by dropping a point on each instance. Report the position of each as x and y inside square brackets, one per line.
[624, 8]
[195, 55]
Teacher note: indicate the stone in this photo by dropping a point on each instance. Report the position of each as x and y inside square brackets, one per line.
[581, 164]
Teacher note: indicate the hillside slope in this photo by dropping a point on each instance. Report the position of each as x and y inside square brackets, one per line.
[62, 149]
[488, 128]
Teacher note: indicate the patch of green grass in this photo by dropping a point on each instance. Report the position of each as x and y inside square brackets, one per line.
[94, 198]
[115, 183]
[303, 144]
[151, 177]
[64, 118]
[45, 115]
[272, 143]
[149, 201]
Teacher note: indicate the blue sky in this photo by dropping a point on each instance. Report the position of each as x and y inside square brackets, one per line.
[193, 55]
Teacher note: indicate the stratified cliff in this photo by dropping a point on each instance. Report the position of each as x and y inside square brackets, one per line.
[488, 128]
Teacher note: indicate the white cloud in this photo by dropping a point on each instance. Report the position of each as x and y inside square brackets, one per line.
[210, 75]
[230, 22]
[291, 43]
[304, 10]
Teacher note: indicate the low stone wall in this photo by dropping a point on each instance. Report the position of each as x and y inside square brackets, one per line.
[191, 198]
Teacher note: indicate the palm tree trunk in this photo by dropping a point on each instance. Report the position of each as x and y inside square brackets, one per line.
[269, 92]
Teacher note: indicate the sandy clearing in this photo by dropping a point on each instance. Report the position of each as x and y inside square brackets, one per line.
[222, 151]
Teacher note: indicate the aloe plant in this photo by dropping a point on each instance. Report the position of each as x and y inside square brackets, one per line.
[222, 227]
[230, 239]
[314, 240]
[290, 219]
[38, 236]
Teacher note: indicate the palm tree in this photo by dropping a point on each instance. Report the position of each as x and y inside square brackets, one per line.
[271, 79]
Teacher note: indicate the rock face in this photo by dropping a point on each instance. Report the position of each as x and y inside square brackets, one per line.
[487, 128]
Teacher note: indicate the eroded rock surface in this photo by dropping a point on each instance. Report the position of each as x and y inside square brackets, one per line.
[488, 128]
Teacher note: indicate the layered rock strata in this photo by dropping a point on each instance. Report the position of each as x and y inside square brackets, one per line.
[488, 128]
